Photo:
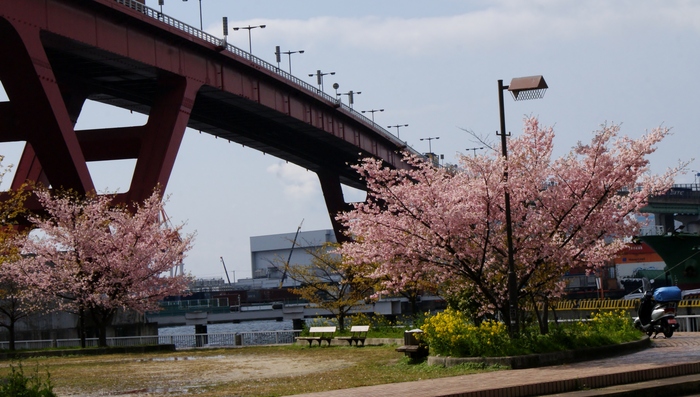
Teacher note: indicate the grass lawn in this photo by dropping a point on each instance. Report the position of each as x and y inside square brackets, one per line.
[248, 371]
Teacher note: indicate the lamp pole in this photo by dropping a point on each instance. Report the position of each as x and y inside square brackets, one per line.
[430, 145]
[319, 78]
[397, 126]
[531, 88]
[373, 111]
[200, 15]
[201, 25]
[250, 40]
[289, 53]
[475, 149]
[351, 96]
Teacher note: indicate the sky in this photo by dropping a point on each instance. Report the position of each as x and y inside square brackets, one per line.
[434, 66]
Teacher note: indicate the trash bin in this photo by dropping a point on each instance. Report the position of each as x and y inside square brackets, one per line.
[239, 339]
[409, 337]
[413, 347]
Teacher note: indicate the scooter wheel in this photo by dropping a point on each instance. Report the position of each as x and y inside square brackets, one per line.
[668, 332]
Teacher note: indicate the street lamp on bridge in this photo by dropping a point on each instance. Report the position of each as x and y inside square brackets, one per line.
[430, 145]
[522, 88]
[319, 78]
[373, 111]
[250, 40]
[200, 14]
[475, 149]
[397, 126]
[278, 56]
[289, 54]
[351, 95]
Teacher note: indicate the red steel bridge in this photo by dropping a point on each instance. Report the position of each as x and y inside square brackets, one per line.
[56, 54]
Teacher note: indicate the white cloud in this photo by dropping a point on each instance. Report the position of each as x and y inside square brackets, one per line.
[298, 183]
[506, 23]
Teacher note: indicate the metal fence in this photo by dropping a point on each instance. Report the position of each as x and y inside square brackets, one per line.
[180, 341]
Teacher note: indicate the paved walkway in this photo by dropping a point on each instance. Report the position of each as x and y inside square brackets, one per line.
[668, 356]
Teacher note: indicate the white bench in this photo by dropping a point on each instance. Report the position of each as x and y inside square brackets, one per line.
[358, 333]
[318, 334]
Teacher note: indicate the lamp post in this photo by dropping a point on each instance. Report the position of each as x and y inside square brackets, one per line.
[522, 88]
[373, 111]
[430, 146]
[319, 78]
[250, 40]
[289, 54]
[200, 14]
[278, 56]
[397, 126]
[475, 149]
[351, 95]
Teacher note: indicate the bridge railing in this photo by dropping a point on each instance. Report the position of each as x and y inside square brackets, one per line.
[156, 14]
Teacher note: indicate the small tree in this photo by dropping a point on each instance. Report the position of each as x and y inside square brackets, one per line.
[15, 298]
[98, 259]
[331, 283]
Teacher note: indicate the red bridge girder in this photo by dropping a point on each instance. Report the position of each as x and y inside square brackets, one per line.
[66, 51]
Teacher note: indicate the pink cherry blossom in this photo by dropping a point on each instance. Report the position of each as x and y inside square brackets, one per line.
[92, 258]
[447, 225]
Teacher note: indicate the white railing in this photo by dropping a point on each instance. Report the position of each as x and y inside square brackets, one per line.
[688, 323]
[652, 230]
[180, 341]
[155, 14]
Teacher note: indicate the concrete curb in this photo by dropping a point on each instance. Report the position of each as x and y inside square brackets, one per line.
[541, 360]
[595, 382]
[677, 386]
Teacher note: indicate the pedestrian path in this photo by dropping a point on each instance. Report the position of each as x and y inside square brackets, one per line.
[679, 355]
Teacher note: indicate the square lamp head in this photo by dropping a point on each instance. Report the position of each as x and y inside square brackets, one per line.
[524, 88]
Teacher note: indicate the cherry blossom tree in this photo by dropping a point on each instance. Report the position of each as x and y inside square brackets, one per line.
[96, 259]
[566, 212]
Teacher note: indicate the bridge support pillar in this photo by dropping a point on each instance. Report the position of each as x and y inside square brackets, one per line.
[39, 112]
[335, 202]
[162, 136]
[43, 112]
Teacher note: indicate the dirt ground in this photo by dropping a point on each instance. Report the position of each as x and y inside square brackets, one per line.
[171, 375]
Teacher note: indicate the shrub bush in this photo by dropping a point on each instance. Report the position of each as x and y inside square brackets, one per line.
[17, 384]
[451, 333]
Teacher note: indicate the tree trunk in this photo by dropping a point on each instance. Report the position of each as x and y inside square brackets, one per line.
[542, 318]
[11, 332]
[544, 326]
[341, 321]
[102, 319]
[81, 327]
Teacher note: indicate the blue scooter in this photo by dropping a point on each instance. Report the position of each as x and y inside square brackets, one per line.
[657, 310]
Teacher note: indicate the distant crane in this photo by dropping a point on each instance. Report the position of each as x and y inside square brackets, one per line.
[225, 271]
[286, 265]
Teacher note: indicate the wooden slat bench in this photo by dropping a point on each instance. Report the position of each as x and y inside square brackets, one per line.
[358, 333]
[318, 334]
[413, 351]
